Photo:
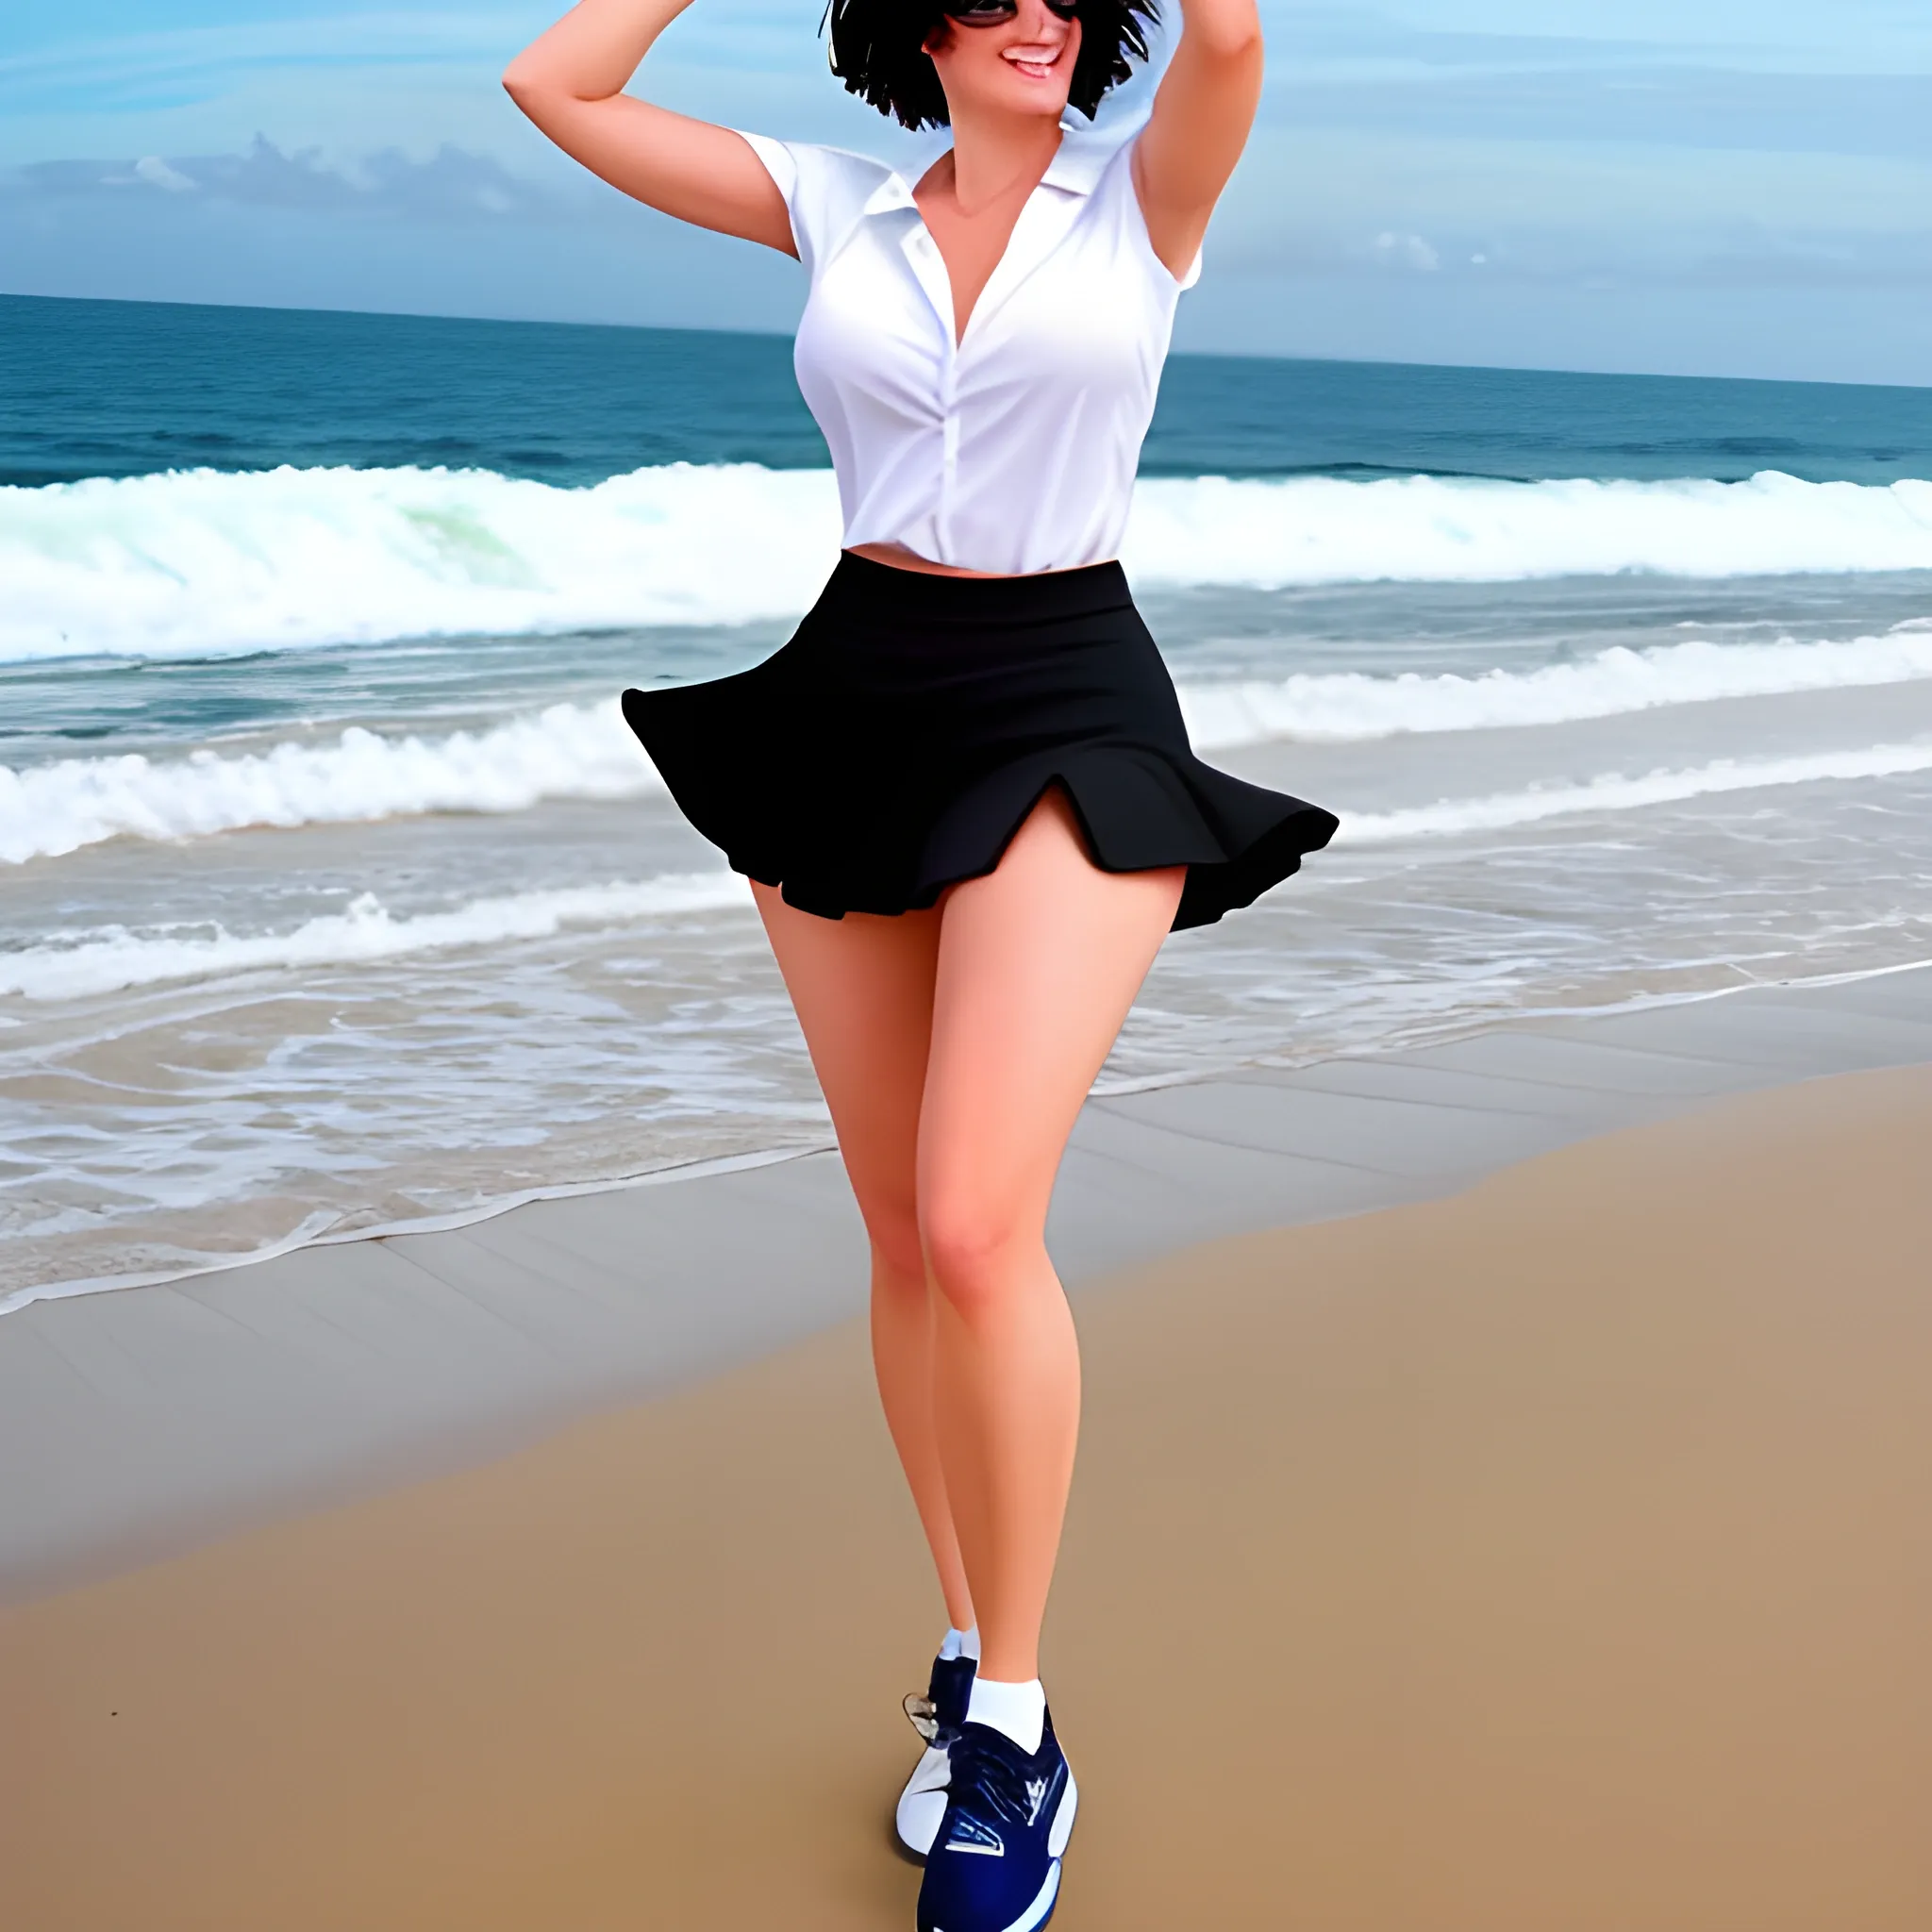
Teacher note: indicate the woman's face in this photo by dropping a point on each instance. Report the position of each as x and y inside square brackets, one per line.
[1012, 57]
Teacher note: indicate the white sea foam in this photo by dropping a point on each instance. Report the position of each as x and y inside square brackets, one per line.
[202, 560]
[568, 751]
[1613, 792]
[1343, 706]
[113, 961]
[1321, 530]
[579, 751]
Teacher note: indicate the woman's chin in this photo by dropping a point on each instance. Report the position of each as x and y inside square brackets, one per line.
[1022, 93]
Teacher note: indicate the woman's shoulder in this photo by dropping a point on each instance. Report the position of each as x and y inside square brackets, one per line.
[825, 188]
[809, 168]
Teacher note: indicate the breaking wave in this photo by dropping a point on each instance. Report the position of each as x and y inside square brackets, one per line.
[115, 959]
[1350, 704]
[209, 561]
[568, 751]
[112, 962]
[1614, 793]
[587, 751]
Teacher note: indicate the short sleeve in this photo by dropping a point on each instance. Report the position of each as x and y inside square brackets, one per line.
[826, 191]
[781, 164]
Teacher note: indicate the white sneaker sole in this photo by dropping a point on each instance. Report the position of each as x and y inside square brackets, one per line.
[1063, 1821]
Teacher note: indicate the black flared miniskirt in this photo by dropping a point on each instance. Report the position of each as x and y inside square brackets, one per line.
[901, 738]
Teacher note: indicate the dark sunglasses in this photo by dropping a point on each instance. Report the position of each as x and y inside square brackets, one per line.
[993, 13]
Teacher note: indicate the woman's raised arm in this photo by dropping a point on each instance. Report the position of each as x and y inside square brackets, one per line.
[1202, 113]
[571, 84]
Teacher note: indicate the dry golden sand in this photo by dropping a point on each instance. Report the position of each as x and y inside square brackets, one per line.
[1553, 1558]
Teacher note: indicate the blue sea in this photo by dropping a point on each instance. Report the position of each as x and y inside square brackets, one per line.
[334, 894]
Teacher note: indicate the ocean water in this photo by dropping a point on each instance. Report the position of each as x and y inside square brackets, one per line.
[334, 894]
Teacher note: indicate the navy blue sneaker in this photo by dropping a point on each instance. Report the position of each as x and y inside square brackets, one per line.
[937, 1717]
[995, 1866]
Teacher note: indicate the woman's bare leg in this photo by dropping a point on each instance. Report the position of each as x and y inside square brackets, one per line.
[862, 988]
[1038, 964]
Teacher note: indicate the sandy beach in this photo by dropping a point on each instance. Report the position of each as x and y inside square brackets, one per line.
[1554, 1555]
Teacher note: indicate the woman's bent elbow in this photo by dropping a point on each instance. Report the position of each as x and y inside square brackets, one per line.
[1230, 43]
[518, 82]
[525, 79]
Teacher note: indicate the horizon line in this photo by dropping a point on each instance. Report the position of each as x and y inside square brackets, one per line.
[785, 335]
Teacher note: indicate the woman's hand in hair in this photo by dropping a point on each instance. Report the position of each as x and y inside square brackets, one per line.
[1202, 113]
[571, 83]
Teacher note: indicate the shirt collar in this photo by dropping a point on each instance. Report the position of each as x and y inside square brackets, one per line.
[1075, 168]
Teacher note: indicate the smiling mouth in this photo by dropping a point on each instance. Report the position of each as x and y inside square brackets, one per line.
[1037, 63]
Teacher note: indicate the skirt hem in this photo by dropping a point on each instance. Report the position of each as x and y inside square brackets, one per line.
[894, 746]
[973, 835]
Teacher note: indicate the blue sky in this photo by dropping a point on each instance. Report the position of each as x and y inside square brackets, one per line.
[1700, 186]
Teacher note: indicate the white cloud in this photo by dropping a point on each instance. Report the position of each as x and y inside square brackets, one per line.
[1406, 251]
[158, 173]
[448, 185]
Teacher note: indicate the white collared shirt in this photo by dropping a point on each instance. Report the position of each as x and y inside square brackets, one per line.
[1014, 451]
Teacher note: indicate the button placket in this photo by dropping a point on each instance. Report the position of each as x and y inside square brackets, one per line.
[930, 268]
[949, 439]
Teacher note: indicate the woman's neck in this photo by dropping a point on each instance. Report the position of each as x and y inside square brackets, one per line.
[993, 155]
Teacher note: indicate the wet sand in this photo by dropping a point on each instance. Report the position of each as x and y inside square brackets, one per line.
[1554, 1557]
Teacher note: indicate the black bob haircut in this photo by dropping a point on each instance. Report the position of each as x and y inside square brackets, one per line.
[878, 50]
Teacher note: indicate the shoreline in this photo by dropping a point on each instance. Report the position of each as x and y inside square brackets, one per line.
[705, 1168]
[136, 1425]
[453, 1223]
[1549, 1553]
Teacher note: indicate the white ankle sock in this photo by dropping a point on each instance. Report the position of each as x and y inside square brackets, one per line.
[961, 1643]
[1018, 1709]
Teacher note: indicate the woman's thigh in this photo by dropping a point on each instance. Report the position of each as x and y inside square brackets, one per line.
[1038, 965]
[862, 988]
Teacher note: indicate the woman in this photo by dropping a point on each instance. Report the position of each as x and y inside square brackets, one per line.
[963, 791]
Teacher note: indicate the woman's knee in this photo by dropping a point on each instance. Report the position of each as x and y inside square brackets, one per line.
[976, 1248]
[897, 1252]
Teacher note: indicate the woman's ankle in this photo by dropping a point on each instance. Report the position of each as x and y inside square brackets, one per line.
[1017, 1710]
